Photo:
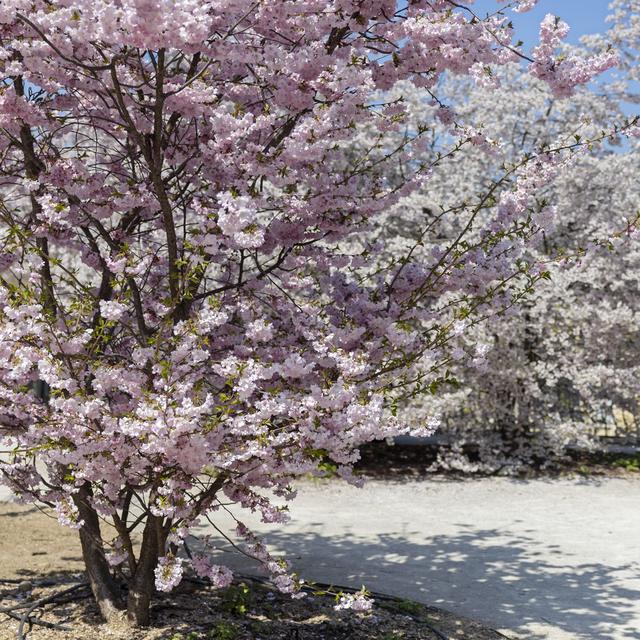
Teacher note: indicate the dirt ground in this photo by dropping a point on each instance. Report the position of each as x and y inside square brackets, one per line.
[41, 582]
[32, 544]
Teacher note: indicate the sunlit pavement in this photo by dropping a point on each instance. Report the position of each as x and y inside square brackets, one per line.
[542, 559]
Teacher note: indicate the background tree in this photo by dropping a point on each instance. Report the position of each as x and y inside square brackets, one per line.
[561, 367]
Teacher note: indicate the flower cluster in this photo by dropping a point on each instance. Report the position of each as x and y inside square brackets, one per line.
[168, 573]
[564, 74]
[358, 601]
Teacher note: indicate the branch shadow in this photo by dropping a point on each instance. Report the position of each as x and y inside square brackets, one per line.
[502, 579]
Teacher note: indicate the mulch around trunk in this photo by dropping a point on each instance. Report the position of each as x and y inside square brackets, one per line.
[248, 610]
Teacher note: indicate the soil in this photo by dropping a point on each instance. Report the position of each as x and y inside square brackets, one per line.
[41, 580]
[34, 545]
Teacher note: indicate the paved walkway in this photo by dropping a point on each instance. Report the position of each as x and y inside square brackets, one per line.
[552, 560]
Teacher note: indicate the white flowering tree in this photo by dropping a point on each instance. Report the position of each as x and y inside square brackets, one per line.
[551, 372]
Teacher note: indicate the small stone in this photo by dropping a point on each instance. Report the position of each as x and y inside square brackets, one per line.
[23, 586]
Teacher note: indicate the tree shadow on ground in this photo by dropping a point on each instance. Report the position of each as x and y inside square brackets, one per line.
[491, 575]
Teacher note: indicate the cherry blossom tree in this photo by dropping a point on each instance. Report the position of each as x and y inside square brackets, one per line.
[193, 312]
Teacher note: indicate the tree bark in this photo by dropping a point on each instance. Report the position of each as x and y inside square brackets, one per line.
[105, 589]
[142, 584]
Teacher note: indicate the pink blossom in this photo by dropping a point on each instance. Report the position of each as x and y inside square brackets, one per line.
[112, 310]
[358, 601]
[168, 573]
[522, 6]
[67, 512]
[563, 75]
[118, 554]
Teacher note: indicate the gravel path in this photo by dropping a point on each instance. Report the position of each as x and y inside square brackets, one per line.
[541, 559]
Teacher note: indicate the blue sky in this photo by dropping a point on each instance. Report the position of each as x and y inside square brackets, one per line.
[584, 16]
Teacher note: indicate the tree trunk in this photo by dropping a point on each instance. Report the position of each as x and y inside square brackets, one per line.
[142, 584]
[105, 589]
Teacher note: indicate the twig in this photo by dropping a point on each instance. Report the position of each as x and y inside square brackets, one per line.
[24, 618]
[42, 623]
[438, 633]
[15, 607]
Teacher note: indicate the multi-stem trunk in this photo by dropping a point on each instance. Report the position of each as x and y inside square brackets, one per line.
[106, 589]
